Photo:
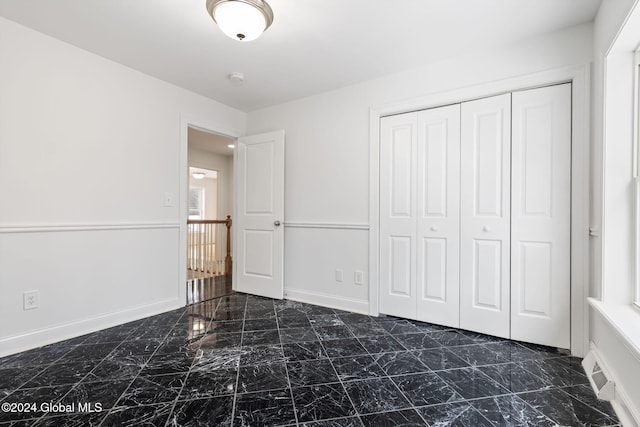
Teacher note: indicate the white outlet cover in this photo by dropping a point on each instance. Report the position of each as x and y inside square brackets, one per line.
[338, 275]
[31, 300]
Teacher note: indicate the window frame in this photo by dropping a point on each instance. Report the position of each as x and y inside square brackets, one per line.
[636, 177]
[201, 204]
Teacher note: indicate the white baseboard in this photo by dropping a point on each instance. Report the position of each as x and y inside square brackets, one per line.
[331, 301]
[622, 411]
[65, 331]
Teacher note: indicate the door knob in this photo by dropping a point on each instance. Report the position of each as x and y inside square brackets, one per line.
[486, 229]
[434, 228]
[276, 223]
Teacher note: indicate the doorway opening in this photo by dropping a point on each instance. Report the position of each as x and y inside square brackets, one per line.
[209, 207]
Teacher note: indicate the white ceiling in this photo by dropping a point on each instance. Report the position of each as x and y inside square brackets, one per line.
[313, 45]
[210, 142]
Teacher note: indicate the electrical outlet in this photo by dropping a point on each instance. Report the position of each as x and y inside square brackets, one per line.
[339, 274]
[358, 278]
[31, 299]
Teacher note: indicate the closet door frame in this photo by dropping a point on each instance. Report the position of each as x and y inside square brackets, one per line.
[579, 77]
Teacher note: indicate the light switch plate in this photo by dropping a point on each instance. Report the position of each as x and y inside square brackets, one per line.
[168, 200]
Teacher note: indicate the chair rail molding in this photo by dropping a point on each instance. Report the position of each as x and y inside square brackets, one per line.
[326, 225]
[65, 227]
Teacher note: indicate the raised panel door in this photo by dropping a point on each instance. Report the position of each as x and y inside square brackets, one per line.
[438, 198]
[398, 208]
[485, 215]
[259, 242]
[541, 204]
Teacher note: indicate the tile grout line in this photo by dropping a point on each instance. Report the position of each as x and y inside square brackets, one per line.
[44, 415]
[235, 391]
[357, 412]
[38, 372]
[286, 369]
[161, 342]
[580, 400]
[186, 378]
[93, 369]
[413, 407]
[470, 401]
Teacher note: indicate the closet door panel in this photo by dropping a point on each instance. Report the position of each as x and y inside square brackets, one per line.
[398, 212]
[400, 254]
[485, 189]
[434, 273]
[541, 203]
[438, 199]
[487, 277]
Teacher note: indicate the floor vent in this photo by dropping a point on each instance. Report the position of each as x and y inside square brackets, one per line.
[600, 380]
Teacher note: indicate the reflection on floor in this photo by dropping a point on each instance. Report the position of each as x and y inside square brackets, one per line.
[207, 288]
[247, 361]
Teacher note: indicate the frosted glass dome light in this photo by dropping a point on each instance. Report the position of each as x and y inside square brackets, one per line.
[242, 20]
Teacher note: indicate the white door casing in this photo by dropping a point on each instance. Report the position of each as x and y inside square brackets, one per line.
[485, 215]
[540, 216]
[259, 221]
[398, 175]
[438, 219]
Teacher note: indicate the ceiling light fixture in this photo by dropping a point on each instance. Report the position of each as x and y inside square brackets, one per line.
[231, 146]
[198, 175]
[242, 20]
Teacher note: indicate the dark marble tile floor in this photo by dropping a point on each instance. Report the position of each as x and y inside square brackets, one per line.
[242, 360]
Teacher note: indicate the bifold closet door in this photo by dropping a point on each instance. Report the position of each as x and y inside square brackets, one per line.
[541, 211]
[398, 177]
[485, 215]
[419, 215]
[438, 203]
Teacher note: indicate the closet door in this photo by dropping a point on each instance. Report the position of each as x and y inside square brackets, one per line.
[438, 203]
[398, 177]
[541, 203]
[485, 215]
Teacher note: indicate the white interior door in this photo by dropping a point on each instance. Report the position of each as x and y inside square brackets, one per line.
[485, 215]
[541, 209]
[258, 226]
[438, 221]
[398, 159]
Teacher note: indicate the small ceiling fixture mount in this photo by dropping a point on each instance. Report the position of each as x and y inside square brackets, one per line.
[198, 175]
[242, 20]
[236, 78]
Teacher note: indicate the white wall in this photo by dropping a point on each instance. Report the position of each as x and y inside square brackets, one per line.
[88, 149]
[614, 324]
[209, 187]
[224, 166]
[327, 155]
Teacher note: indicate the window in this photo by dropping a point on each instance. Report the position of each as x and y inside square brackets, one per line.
[196, 203]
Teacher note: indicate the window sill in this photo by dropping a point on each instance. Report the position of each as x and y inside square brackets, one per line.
[625, 319]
